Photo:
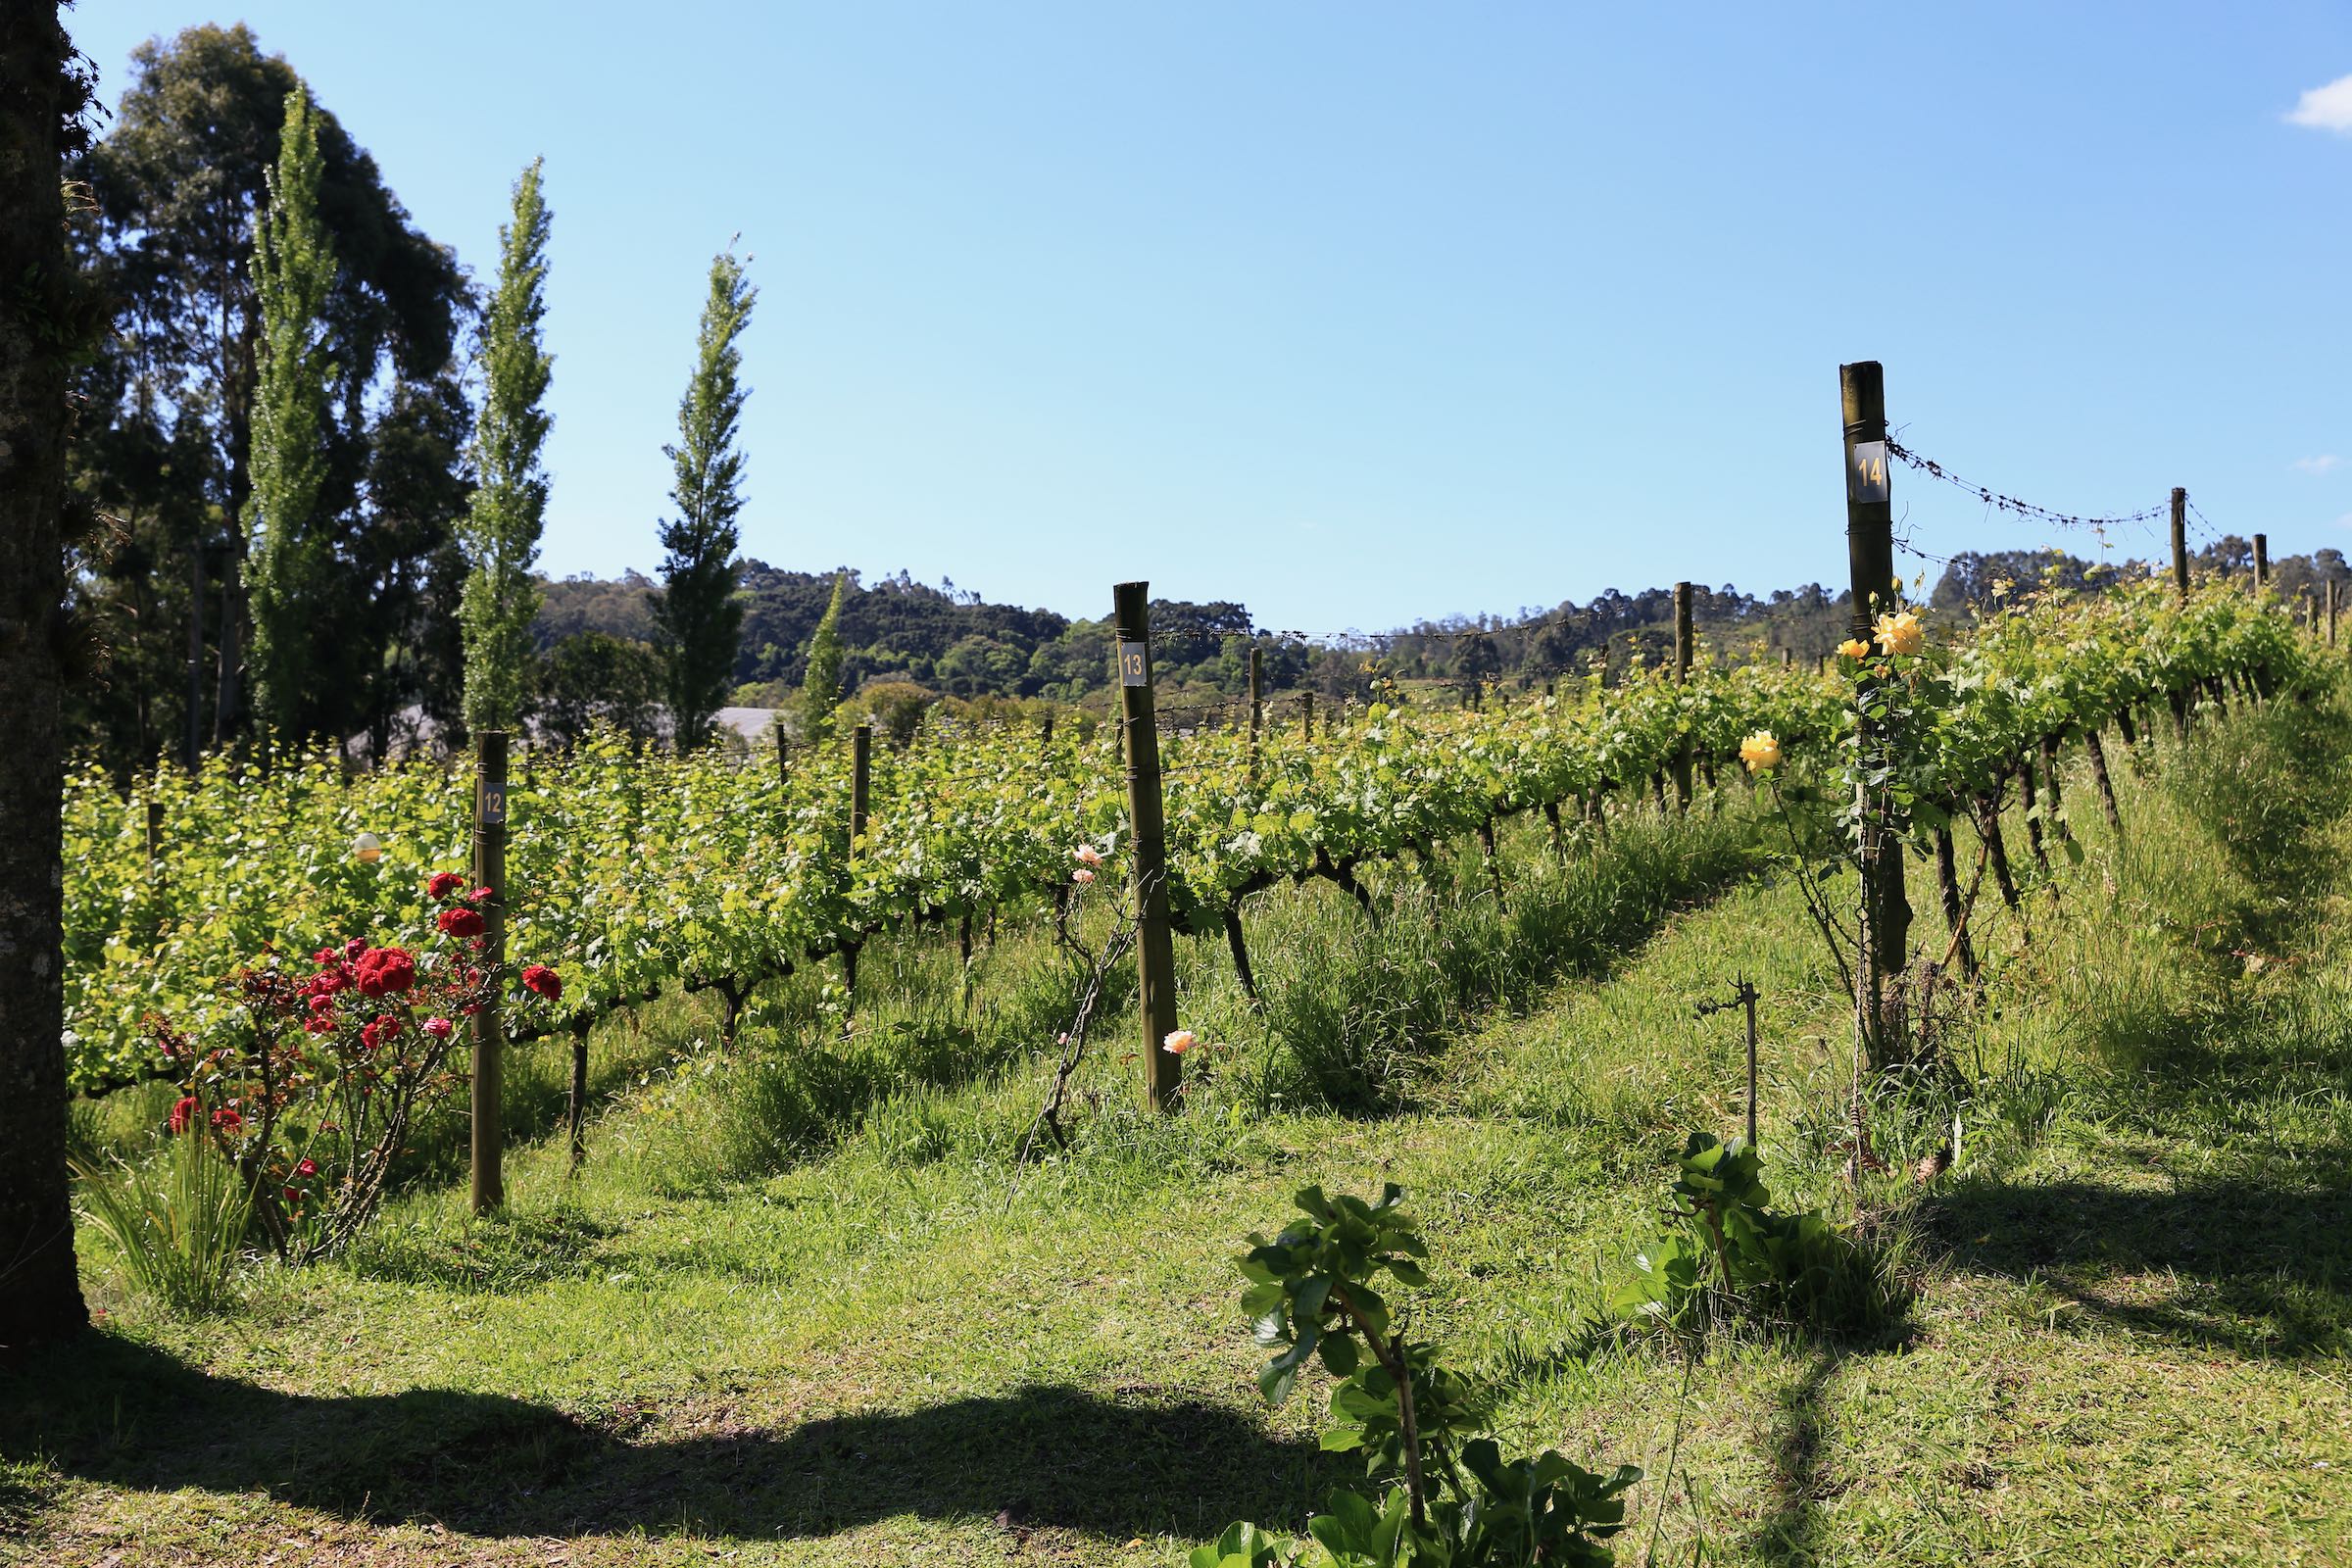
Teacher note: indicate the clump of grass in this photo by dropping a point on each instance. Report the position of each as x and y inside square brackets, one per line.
[1353, 1011]
[179, 1222]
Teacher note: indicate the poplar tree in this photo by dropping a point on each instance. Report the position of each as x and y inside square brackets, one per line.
[293, 269]
[820, 687]
[501, 531]
[697, 609]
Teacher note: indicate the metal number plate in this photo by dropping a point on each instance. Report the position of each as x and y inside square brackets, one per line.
[1866, 473]
[494, 806]
[1134, 666]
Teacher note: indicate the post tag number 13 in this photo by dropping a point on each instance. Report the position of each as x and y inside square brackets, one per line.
[1133, 665]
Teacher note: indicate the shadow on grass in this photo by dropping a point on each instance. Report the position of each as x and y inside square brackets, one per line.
[2258, 1269]
[113, 1412]
[1792, 1533]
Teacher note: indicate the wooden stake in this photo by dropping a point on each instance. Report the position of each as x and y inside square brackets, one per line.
[489, 1031]
[783, 753]
[2180, 541]
[2334, 601]
[1870, 567]
[1306, 715]
[2262, 562]
[862, 762]
[1258, 705]
[1681, 673]
[1154, 948]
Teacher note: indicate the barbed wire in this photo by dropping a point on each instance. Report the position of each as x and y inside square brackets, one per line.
[2011, 504]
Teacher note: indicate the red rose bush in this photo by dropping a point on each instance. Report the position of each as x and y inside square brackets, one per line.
[313, 1086]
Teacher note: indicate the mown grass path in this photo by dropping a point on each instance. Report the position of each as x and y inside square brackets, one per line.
[2129, 1346]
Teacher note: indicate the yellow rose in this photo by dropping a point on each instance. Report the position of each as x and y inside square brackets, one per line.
[1761, 751]
[1854, 648]
[1901, 633]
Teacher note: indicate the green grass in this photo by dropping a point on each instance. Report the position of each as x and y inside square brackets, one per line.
[797, 1309]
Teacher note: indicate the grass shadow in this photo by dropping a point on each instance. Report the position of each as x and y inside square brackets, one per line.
[1043, 1457]
[2250, 1267]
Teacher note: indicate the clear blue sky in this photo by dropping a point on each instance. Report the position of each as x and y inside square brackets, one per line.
[1369, 311]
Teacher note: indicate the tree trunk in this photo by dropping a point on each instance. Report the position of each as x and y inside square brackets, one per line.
[2026, 794]
[2049, 773]
[1947, 882]
[1996, 848]
[40, 1290]
[1241, 954]
[2106, 784]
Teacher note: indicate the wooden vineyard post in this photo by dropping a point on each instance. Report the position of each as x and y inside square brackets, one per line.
[489, 1029]
[783, 753]
[1747, 997]
[575, 1114]
[2334, 599]
[1154, 946]
[1257, 707]
[862, 764]
[1306, 715]
[2180, 541]
[1681, 673]
[1886, 927]
[2262, 562]
[155, 838]
[1788, 656]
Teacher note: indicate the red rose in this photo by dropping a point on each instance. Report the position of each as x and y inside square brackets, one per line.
[439, 1028]
[323, 956]
[308, 1167]
[322, 1003]
[185, 1115]
[292, 1194]
[321, 1025]
[394, 969]
[443, 884]
[479, 896]
[461, 922]
[541, 981]
[355, 947]
[228, 1120]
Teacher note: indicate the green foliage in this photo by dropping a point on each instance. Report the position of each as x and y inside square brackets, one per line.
[1725, 1253]
[696, 609]
[589, 679]
[287, 551]
[501, 532]
[179, 1222]
[1451, 1500]
[820, 689]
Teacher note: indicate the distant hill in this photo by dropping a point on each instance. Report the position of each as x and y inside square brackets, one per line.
[955, 643]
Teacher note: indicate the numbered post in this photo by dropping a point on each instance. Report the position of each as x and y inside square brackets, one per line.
[489, 1028]
[1156, 946]
[1870, 567]
[2262, 562]
[2180, 541]
[1681, 673]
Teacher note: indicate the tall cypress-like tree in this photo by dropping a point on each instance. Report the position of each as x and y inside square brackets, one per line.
[820, 687]
[293, 269]
[501, 531]
[50, 316]
[697, 609]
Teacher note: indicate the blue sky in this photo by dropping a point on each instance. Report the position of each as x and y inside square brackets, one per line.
[1361, 312]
